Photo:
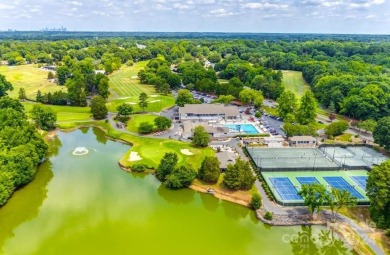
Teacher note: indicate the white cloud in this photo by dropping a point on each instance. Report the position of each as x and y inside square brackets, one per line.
[181, 6]
[6, 7]
[75, 3]
[264, 6]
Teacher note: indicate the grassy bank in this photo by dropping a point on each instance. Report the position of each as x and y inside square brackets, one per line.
[151, 150]
[136, 119]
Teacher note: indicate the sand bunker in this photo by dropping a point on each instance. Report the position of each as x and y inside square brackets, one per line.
[130, 103]
[186, 152]
[134, 156]
[134, 77]
[153, 101]
[123, 97]
[153, 95]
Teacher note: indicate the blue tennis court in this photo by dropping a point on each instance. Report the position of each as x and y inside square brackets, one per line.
[307, 180]
[340, 183]
[285, 188]
[360, 180]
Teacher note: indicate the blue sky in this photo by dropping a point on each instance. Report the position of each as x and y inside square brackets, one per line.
[280, 16]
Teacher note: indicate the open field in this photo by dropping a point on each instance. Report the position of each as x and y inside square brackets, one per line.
[136, 119]
[294, 82]
[29, 77]
[66, 113]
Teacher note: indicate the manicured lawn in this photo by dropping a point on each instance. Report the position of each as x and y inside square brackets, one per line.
[294, 82]
[270, 110]
[151, 150]
[156, 103]
[31, 78]
[66, 113]
[126, 83]
[127, 88]
[223, 81]
[136, 119]
[344, 137]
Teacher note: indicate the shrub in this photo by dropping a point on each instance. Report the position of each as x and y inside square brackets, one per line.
[255, 201]
[139, 168]
[145, 128]
[387, 232]
[257, 114]
[336, 128]
[268, 216]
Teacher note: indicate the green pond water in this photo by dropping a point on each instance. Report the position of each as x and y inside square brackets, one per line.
[88, 205]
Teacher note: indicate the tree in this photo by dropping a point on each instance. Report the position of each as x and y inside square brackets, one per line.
[338, 199]
[332, 116]
[124, 109]
[43, 116]
[201, 138]
[184, 96]
[378, 191]
[255, 203]
[336, 128]
[307, 110]
[382, 133]
[314, 196]
[331, 107]
[145, 128]
[209, 170]
[162, 123]
[39, 97]
[181, 177]
[103, 87]
[239, 176]
[4, 86]
[167, 164]
[367, 125]
[22, 94]
[98, 108]
[63, 73]
[224, 99]
[143, 97]
[50, 75]
[287, 104]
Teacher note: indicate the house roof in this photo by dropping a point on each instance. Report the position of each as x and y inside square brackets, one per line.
[302, 138]
[226, 158]
[209, 109]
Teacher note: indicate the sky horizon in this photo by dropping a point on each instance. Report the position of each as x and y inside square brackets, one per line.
[228, 16]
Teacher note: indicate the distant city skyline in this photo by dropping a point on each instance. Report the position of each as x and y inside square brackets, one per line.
[261, 16]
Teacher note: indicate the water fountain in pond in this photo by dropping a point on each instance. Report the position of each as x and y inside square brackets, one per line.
[80, 151]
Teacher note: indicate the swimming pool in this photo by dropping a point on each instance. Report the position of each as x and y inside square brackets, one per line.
[246, 128]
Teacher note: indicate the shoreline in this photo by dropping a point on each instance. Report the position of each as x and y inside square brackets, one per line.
[348, 234]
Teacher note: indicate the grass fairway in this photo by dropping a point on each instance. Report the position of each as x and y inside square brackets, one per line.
[156, 103]
[294, 82]
[125, 82]
[151, 150]
[136, 119]
[66, 113]
[126, 88]
[29, 77]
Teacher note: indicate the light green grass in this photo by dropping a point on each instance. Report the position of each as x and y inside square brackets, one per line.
[65, 113]
[151, 150]
[155, 104]
[127, 87]
[294, 82]
[125, 82]
[270, 110]
[136, 119]
[223, 81]
[29, 77]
